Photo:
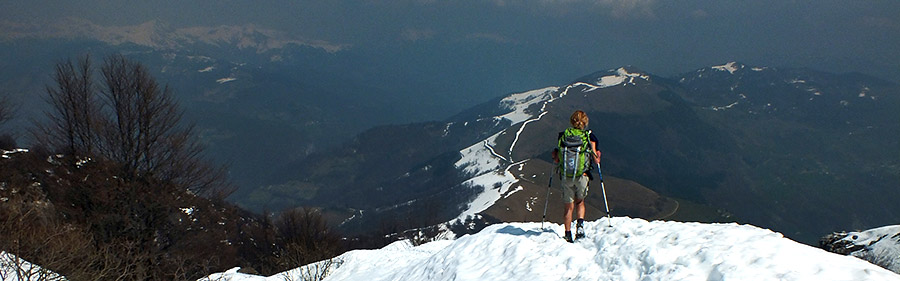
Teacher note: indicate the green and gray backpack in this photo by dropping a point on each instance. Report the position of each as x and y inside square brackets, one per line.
[574, 152]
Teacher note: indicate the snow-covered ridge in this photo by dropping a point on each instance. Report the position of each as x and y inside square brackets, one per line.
[879, 245]
[489, 168]
[496, 184]
[632, 249]
[731, 67]
[521, 101]
[480, 157]
[159, 35]
[621, 77]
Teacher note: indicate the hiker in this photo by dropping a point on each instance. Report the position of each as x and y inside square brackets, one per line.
[578, 148]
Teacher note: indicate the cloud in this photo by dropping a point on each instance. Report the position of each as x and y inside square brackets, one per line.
[614, 8]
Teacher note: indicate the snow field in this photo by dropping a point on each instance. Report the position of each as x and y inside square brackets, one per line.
[633, 249]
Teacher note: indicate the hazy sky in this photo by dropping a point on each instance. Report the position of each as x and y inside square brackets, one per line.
[556, 39]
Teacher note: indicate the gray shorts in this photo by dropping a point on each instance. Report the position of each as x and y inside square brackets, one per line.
[574, 188]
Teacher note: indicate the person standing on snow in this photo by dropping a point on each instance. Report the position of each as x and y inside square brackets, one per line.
[578, 149]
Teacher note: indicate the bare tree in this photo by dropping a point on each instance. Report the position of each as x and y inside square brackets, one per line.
[144, 134]
[6, 109]
[304, 238]
[56, 248]
[130, 120]
[6, 113]
[72, 127]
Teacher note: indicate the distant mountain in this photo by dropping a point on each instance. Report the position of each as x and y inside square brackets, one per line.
[160, 35]
[779, 148]
[806, 140]
[796, 150]
[465, 166]
[261, 98]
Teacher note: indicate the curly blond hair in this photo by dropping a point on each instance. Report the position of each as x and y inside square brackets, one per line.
[579, 120]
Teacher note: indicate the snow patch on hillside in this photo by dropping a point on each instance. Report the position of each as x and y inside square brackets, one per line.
[496, 185]
[717, 108]
[632, 249]
[731, 67]
[521, 101]
[480, 157]
[225, 80]
[622, 77]
[522, 129]
[880, 245]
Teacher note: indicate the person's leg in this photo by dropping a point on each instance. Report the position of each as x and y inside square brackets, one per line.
[581, 190]
[579, 208]
[568, 197]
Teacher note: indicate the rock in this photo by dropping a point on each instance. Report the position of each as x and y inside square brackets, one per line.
[880, 246]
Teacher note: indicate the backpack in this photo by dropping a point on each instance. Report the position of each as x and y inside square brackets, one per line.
[574, 152]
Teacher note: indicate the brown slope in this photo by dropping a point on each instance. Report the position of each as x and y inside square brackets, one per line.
[626, 198]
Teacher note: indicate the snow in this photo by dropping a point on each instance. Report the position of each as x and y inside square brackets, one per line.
[5, 153]
[521, 101]
[880, 244]
[487, 168]
[12, 268]
[496, 185]
[225, 80]
[717, 108]
[486, 165]
[207, 69]
[632, 249]
[731, 67]
[622, 77]
[480, 157]
[519, 133]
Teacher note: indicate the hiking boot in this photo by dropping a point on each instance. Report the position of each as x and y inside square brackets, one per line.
[568, 237]
[579, 229]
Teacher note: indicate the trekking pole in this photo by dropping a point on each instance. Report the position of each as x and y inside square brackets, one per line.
[608, 217]
[547, 198]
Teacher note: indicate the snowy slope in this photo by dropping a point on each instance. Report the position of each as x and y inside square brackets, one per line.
[633, 249]
[489, 167]
[879, 245]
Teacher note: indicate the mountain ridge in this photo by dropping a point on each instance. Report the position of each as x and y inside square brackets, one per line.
[657, 132]
[158, 34]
